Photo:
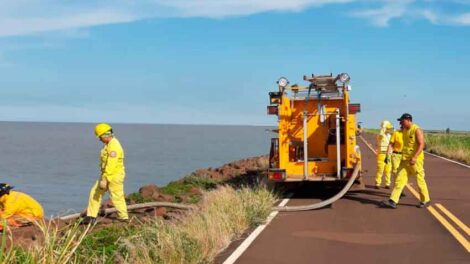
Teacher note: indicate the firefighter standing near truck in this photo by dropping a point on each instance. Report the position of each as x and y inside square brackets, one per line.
[412, 163]
[383, 142]
[112, 176]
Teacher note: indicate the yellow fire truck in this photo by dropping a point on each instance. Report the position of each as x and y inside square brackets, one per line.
[316, 131]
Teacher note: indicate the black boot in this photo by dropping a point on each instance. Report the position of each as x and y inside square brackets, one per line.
[388, 204]
[88, 220]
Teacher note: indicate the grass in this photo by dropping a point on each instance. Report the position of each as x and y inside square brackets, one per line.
[453, 146]
[197, 237]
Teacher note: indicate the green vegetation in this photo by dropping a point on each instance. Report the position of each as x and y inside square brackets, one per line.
[184, 186]
[453, 146]
[196, 237]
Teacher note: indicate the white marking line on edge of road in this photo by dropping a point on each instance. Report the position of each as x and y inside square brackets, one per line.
[247, 242]
[453, 161]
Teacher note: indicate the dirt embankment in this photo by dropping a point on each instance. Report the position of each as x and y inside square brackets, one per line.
[186, 190]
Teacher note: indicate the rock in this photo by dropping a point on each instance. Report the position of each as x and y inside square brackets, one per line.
[161, 211]
[166, 198]
[148, 191]
[108, 204]
[155, 196]
[195, 191]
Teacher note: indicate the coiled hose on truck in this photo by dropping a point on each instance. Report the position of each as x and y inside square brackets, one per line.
[326, 202]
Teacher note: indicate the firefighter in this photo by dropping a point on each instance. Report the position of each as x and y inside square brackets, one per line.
[395, 148]
[18, 209]
[112, 176]
[412, 163]
[383, 141]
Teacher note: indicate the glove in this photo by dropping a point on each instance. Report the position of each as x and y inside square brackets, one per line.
[387, 159]
[103, 184]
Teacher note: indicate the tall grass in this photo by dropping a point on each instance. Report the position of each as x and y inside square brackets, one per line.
[225, 214]
[196, 237]
[454, 146]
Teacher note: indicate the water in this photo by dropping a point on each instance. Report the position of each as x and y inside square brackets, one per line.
[57, 163]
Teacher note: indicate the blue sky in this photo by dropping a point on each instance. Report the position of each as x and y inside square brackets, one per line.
[214, 61]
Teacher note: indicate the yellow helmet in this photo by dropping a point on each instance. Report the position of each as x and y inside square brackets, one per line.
[101, 129]
[386, 125]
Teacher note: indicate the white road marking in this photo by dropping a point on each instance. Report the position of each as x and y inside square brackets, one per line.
[244, 246]
[453, 161]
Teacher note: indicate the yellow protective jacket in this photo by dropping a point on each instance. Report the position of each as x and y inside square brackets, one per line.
[20, 204]
[112, 160]
[397, 141]
[383, 140]
[410, 143]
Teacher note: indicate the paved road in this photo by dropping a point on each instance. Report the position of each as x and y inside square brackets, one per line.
[355, 230]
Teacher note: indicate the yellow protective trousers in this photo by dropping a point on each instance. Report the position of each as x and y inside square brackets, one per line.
[396, 160]
[406, 169]
[381, 169]
[116, 193]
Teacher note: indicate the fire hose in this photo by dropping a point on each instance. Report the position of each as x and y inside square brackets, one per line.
[326, 202]
[134, 207]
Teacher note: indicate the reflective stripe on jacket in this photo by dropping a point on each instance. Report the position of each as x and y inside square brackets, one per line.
[112, 159]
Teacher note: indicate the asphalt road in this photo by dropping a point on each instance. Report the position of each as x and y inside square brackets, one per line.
[356, 230]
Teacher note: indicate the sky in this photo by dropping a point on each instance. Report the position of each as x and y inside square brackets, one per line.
[214, 61]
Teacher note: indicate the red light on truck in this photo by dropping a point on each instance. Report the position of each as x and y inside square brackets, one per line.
[272, 110]
[277, 175]
[354, 108]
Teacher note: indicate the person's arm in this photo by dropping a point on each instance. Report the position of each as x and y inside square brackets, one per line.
[420, 138]
[391, 144]
[9, 209]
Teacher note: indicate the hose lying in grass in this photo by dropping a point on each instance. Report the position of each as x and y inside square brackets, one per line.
[134, 207]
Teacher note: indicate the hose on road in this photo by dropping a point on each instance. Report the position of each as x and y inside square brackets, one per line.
[325, 202]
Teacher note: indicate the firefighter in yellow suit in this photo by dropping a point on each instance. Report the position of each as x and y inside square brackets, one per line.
[111, 178]
[18, 208]
[396, 147]
[412, 163]
[383, 141]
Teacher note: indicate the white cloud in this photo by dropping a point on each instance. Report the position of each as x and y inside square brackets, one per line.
[461, 20]
[29, 17]
[389, 10]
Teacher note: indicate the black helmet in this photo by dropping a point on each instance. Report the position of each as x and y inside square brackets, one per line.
[5, 188]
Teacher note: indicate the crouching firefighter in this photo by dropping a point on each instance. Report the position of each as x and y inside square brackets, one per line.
[17, 208]
[112, 176]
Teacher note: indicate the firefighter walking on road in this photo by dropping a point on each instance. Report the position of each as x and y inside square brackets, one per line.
[17, 208]
[412, 163]
[396, 148]
[112, 176]
[383, 166]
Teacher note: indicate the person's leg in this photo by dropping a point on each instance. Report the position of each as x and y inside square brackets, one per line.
[421, 182]
[94, 202]
[396, 158]
[388, 173]
[380, 169]
[116, 192]
[400, 182]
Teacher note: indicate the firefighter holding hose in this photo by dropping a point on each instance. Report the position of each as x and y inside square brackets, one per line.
[112, 176]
